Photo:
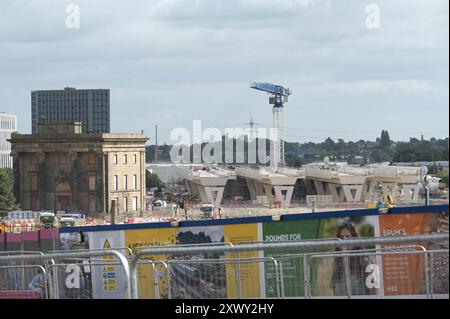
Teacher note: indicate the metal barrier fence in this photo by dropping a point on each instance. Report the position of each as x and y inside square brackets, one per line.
[69, 275]
[328, 268]
[289, 283]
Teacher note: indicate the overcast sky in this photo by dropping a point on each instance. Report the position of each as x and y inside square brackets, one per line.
[173, 61]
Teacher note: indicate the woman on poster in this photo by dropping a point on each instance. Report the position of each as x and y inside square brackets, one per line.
[354, 277]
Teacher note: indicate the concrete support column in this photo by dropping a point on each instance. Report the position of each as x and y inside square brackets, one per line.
[192, 188]
[260, 189]
[188, 187]
[369, 190]
[338, 196]
[319, 188]
[284, 199]
[252, 189]
[349, 197]
[411, 192]
[389, 186]
[201, 192]
[268, 193]
[214, 195]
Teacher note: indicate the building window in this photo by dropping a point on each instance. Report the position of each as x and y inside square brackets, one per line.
[135, 204]
[125, 159]
[33, 183]
[134, 159]
[135, 182]
[125, 182]
[62, 159]
[125, 204]
[33, 159]
[92, 159]
[34, 204]
[115, 159]
[92, 205]
[92, 181]
[116, 182]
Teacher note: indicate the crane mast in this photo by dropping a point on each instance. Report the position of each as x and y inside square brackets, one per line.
[279, 97]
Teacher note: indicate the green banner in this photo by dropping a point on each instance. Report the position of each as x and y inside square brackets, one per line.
[292, 267]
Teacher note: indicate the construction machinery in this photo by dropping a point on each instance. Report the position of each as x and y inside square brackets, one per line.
[48, 220]
[279, 96]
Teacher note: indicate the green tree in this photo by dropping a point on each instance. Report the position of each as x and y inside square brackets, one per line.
[153, 180]
[7, 200]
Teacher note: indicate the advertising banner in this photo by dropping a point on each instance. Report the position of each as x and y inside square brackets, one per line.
[326, 275]
[30, 241]
[292, 267]
[337, 275]
[294, 273]
[250, 273]
[203, 275]
[399, 269]
[74, 277]
[135, 239]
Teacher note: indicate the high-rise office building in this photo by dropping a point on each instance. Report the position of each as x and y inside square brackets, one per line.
[8, 125]
[90, 107]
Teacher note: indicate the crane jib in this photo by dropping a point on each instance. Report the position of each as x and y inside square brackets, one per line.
[271, 88]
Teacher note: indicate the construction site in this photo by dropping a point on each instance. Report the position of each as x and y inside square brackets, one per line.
[240, 190]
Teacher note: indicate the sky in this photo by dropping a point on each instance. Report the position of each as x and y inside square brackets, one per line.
[169, 62]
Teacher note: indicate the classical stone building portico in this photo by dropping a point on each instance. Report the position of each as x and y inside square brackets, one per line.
[60, 168]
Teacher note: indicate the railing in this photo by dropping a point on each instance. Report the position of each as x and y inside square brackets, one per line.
[357, 268]
[255, 248]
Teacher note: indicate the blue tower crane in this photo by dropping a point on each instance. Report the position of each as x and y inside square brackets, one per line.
[279, 96]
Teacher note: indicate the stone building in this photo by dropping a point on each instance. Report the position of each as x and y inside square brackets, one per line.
[61, 168]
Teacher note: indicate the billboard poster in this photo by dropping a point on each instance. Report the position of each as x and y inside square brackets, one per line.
[135, 239]
[353, 275]
[74, 280]
[203, 275]
[109, 281]
[292, 268]
[250, 273]
[399, 269]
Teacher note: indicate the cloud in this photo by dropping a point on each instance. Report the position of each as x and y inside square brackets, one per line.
[171, 61]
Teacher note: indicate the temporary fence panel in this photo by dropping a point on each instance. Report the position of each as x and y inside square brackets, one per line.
[196, 279]
[245, 275]
[159, 281]
[219, 278]
[87, 278]
[354, 274]
[359, 275]
[70, 275]
[439, 269]
[23, 282]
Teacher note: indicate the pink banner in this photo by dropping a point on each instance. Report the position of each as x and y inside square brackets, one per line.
[13, 238]
[30, 236]
[49, 234]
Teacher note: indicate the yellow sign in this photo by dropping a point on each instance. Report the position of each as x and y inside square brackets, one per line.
[249, 273]
[135, 239]
[106, 245]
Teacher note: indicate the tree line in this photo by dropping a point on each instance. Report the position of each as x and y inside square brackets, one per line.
[383, 149]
